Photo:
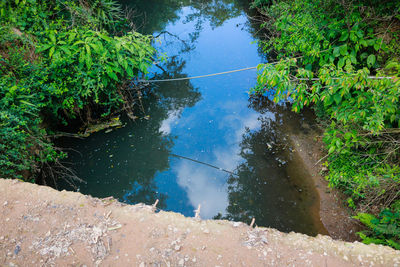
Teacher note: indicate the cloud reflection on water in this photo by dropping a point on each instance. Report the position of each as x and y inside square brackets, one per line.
[203, 184]
[171, 121]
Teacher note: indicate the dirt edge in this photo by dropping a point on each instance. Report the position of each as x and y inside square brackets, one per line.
[45, 227]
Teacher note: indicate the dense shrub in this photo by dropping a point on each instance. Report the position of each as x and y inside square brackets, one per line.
[382, 229]
[60, 59]
[342, 57]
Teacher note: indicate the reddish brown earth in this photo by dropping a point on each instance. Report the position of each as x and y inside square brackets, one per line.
[44, 227]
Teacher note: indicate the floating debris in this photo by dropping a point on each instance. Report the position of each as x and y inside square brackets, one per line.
[112, 123]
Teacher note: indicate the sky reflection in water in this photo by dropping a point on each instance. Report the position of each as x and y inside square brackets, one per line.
[210, 120]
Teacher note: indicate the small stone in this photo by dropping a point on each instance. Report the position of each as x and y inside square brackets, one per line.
[181, 262]
[7, 219]
[177, 248]
[203, 247]
[206, 231]
[151, 249]
[345, 258]
[5, 203]
[142, 264]
[219, 257]
[194, 259]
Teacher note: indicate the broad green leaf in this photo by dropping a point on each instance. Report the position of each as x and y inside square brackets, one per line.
[95, 47]
[343, 50]
[43, 48]
[336, 51]
[88, 61]
[82, 57]
[79, 42]
[52, 37]
[347, 136]
[129, 71]
[341, 62]
[111, 74]
[337, 98]
[371, 60]
[51, 52]
[344, 37]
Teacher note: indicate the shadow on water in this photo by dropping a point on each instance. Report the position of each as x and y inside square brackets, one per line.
[124, 162]
[153, 16]
[189, 131]
[269, 181]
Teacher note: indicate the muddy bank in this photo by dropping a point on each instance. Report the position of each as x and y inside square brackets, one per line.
[44, 227]
[334, 214]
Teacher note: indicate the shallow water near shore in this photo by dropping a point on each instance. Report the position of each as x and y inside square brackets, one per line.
[203, 141]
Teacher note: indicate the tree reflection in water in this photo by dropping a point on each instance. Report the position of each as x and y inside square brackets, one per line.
[124, 163]
[263, 187]
[134, 163]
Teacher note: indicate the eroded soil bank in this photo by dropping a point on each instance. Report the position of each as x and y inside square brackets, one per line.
[44, 227]
[331, 207]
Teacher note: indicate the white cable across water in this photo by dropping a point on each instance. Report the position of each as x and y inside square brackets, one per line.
[244, 69]
[197, 77]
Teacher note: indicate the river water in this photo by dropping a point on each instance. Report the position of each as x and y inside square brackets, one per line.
[203, 141]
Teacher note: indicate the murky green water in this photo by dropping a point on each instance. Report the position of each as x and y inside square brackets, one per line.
[202, 141]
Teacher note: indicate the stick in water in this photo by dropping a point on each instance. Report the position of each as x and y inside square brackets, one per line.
[197, 212]
[252, 222]
[155, 204]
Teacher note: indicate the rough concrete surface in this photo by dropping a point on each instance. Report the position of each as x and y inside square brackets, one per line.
[44, 227]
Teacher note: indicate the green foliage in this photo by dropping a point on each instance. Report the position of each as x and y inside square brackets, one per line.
[36, 15]
[338, 56]
[97, 14]
[23, 145]
[383, 229]
[371, 183]
[59, 59]
[92, 64]
[342, 58]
